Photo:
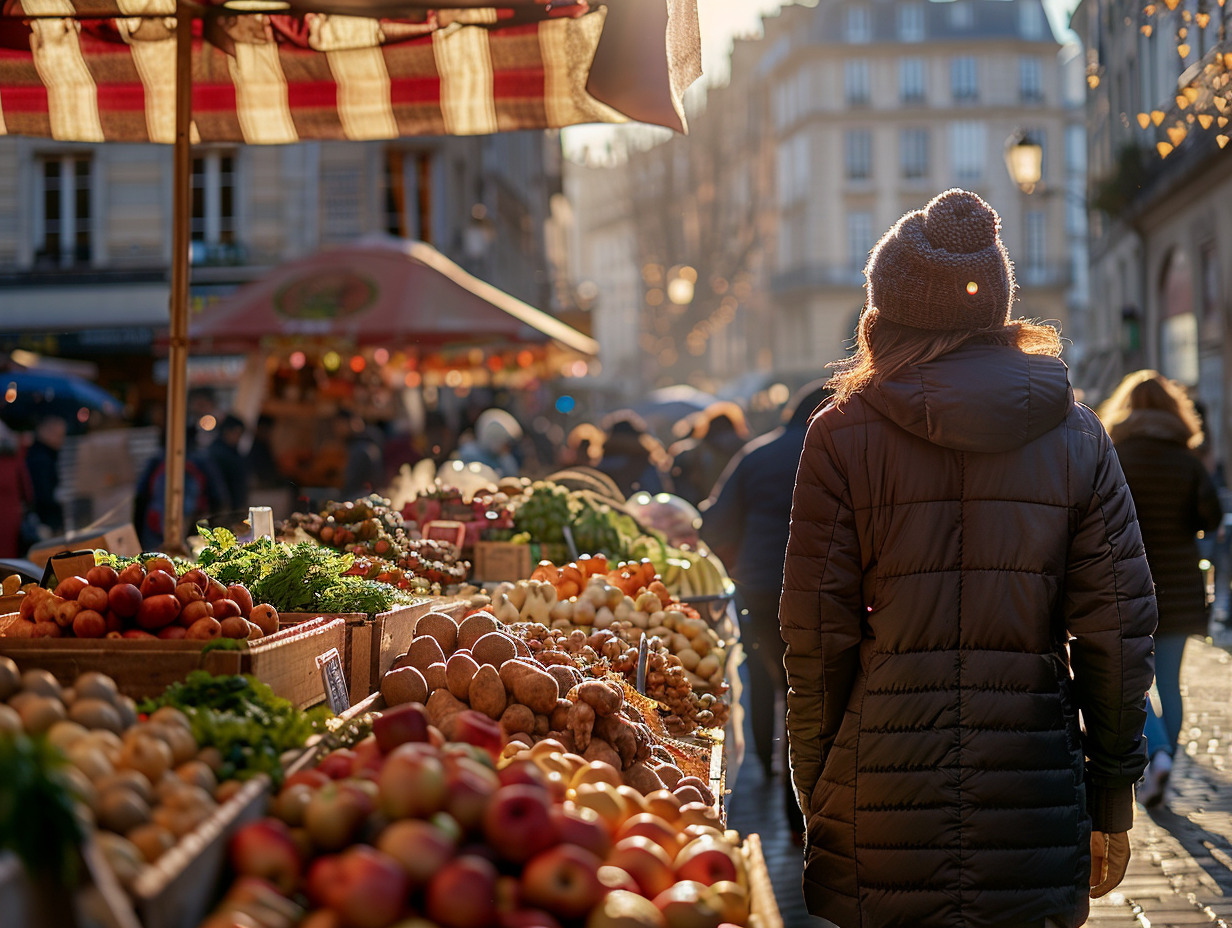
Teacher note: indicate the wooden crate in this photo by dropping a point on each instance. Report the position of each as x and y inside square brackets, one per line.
[357, 644]
[494, 561]
[762, 903]
[143, 668]
[179, 889]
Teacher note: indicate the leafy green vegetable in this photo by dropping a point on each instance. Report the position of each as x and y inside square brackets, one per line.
[242, 717]
[38, 820]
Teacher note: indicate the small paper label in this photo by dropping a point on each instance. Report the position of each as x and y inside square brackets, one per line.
[330, 665]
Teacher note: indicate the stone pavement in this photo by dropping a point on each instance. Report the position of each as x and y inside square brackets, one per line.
[1180, 873]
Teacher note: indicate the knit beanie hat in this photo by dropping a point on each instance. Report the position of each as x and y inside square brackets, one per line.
[943, 268]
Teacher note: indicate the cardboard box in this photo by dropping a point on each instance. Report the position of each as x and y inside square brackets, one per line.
[118, 539]
[495, 561]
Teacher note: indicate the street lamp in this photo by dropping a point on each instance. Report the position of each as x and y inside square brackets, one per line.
[1024, 159]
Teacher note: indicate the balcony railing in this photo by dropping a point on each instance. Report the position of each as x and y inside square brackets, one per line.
[816, 275]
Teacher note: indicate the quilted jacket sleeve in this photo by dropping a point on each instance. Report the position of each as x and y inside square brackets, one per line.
[1110, 614]
[820, 609]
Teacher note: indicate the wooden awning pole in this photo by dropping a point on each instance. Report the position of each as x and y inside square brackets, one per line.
[181, 219]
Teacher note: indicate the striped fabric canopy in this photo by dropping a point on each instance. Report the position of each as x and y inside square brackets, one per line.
[104, 70]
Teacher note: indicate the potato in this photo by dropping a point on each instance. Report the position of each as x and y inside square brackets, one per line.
[536, 688]
[603, 698]
[96, 713]
[10, 721]
[406, 684]
[494, 648]
[474, 627]
[566, 677]
[436, 677]
[40, 713]
[442, 705]
[670, 774]
[542, 725]
[487, 693]
[206, 629]
[517, 717]
[234, 626]
[121, 810]
[147, 753]
[460, 669]
[689, 658]
[706, 667]
[151, 840]
[642, 777]
[559, 718]
[122, 856]
[441, 627]
[600, 750]
[93, 685]
[423, 652]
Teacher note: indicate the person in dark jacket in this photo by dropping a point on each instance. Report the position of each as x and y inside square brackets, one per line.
[632, 457]
[964, 576]
[1154, 428]
[745, 523]
[699, 460]
[43, 469]
[230, 465]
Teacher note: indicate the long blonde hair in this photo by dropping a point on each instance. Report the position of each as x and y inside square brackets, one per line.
[1147, 389]
[883, 348]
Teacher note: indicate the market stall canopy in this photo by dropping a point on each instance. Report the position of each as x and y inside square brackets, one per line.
[29, 395]
[278, 71]
[384, 291]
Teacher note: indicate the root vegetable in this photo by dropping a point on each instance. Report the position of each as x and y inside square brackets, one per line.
[518, 717]
[559, 719]
[603, 698]
[581, 723]
[441, 627]
[600, 750]
[442, 705]
[265, 616]
[494, 648]
[423, 652]
[487, 693]
[404, 685]
[460, 669]
[474, 627]
[436, 677]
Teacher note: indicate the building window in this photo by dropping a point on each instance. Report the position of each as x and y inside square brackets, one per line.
[858, 153]
[793, 168]
[62, 211]
[408, 177]
[1036, 257]
[962, 15]
[968, 149]
[213, 208]
[859, 239]
[341, 193]
[857, 82]
[1030, 80]
[913, 152]
[858, 26]
[911, 22]
[964, 78]
[1030, 19]
[911, 80]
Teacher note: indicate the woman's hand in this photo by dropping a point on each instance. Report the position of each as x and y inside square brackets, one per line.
[1109, 860]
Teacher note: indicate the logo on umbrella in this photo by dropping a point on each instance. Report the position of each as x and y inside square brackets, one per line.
[333, 294]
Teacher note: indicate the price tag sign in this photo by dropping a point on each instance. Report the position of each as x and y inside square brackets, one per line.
[330, 665]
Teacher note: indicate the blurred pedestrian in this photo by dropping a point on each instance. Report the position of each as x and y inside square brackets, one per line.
[364, 469]
[1155, 428]
[263, 470]
[204, 493]
[632, 457]
[697, 461]
[232, 467]
[43, 470]
[964, 576]
[745, 522]
[495, 436]
[583, 446]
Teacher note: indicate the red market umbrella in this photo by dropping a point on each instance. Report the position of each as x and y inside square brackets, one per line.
[277, 71]
[387, 292]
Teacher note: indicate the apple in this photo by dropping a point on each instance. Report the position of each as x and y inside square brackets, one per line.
[623, 909]
[476, 728]
[371, 890]
[103, 576]
[471, 788]
[527, 918]
[596, 771]
[312, 777]
[124, 599]
[615, 878]
[69, 587]
[94, 598]
[523, 773]
[508, 893]
[448, 824]
[368, 757]
[321, 918]
[265, 849]
[685, 905]
[412, 782]
[225, 608]
[138, 634]
[158, 611]
[663, 803]
[462, 894]
[582, 827]
[160, 562]
[564, 880]
[196, 576]
[604, 800]
[407, 722]
[89, 624]
[420, 847]
[651, 826]
[290, 803]
[646, 862]
[706, 860]
[335, 814]
[252, 900]
[133, 574]
[516, 823]
[214, 590]
[322, 882]
[189, 593]
[157, 583]
[337, 764]
[731, 900]
[172, 633]
[238, 593]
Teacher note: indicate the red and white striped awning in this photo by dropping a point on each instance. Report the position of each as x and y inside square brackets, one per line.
[104, 70]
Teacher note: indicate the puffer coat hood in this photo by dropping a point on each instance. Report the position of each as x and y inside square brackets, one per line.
[964, 574]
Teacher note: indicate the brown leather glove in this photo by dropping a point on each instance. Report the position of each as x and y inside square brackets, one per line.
[1109, 860]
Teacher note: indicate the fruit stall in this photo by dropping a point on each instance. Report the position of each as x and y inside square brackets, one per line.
[545, 750]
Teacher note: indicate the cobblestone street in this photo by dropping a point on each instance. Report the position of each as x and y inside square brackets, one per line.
[1181, 870]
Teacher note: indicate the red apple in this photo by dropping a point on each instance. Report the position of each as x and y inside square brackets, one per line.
[197, 576]
[412, 782]
[646, 862]
[160, 562]
[103, 576]
[189, 593]
[157, 583]
[158, 611]
[225, 609]
[615, 878]
[312, 777]
[420, 847]
[134, 573]
[564, 880]
[322, 881]
[685, 905]
[368, 757]
[337, 764]
[239, 594]
[265, 849]
[172, 633]
[477, 729]
[471, 787]
[462, 894]
[335, 814]
[516, 823]
[139, 635]
[124, 599]
[622, 909]
[583, 827]
[523, 773]
[706, 860]
[407, 722]
[651, 826]
[214, 590]
[290, 803]
[93, 597]
[69, 587]
[371, 890]
[527, 918]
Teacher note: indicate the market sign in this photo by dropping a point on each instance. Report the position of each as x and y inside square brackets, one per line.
[326, 295]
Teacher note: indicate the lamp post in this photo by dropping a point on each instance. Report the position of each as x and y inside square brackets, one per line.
[1024, 160]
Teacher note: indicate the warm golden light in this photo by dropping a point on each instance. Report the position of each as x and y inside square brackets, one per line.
[973, 288]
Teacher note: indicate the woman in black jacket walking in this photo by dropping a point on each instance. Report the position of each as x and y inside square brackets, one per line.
[1154, 426]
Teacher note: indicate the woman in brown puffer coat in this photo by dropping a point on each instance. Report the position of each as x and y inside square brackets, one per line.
[964, 575]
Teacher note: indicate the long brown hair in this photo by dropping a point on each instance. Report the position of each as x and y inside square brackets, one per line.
[883, 348]
[1148, 389]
